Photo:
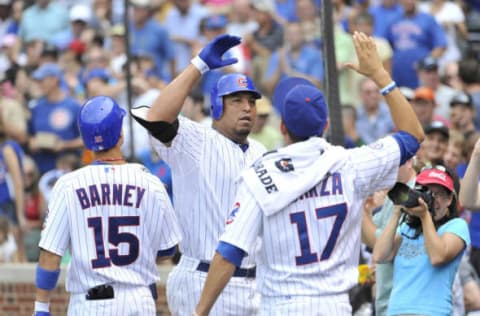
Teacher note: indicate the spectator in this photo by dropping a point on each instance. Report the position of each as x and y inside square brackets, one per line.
[471, 287]
[424, 105]
[241, 22]
[151, 37]
[450, 16]
[17, 12]
[469, 198]
[454, 156]
[462, 114]
[12, 202]
[428, 75]
[435, 145]
[5, 16]
[265, 40]
[43, 20]
[117, 49]
[374, 120]
[349, 119]
[309, 19]
[188, 14]
[294, 59]
[450, 76]
[80, 17]
[383, 15]
[413, 36]
[53, 125]
[262, 132]
[35, 209]
[8, 247]
[430, 236]
[195, 108]
[469, 72]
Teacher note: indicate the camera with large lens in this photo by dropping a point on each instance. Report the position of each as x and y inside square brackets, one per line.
[402, 194]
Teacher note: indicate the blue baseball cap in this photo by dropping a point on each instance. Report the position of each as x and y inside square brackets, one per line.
[47, 70]
[216, 22]
[99, 73]
[304, 110]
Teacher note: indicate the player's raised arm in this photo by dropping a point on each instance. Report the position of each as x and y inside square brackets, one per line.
[168, 105]
[370, 65]
[469, 195]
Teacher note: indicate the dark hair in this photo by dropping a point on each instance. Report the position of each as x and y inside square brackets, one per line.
[469, 70]
[415, 223]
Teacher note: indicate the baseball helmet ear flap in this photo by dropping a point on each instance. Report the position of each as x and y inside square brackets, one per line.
[217, 103]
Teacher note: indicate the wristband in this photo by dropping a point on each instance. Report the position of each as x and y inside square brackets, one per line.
[41, 306]
[388, 88]
[200, 64]
[46, 279]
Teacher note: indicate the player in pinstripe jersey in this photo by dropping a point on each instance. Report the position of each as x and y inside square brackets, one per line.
[305, 201]
[117, 220]
[205, 163]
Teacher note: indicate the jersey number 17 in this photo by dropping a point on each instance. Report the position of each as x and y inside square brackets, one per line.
[307, 256]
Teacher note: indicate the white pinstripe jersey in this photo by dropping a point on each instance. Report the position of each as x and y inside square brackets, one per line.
[114, 219]
[205, 166]
[312, 246]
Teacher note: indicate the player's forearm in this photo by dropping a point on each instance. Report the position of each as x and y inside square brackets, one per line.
[401, 111]
[220, 272]
[384, 245]
[169, 104]
[469, 195]
[47, 273]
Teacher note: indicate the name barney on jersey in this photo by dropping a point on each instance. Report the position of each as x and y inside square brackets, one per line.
[110, 194]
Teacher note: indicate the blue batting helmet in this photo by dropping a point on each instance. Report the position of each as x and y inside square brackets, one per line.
[100, 123]
[229, 84]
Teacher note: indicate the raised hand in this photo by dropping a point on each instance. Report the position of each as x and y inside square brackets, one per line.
[212, 53]
[369, 61]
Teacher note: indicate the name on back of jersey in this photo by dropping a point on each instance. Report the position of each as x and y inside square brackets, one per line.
[110, 194]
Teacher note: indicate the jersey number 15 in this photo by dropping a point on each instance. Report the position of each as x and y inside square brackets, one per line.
[115, 237]
[299, 218]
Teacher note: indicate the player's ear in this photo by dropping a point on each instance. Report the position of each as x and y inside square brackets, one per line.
[283, 128]
[327, 126]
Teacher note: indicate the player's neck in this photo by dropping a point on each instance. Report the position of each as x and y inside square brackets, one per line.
[110, 157]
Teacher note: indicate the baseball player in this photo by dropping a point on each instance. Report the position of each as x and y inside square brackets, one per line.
[305, 201]
[205, 162]
[115, 217]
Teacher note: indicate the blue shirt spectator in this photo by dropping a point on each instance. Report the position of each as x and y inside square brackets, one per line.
[372, 128]
[53, 125]
[43, 21]
[413, 36]
[414, 276]
[182, 23]
[384, 14]
[151, 37]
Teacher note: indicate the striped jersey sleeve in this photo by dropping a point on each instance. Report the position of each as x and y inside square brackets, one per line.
[244, 223]
[375, 165]
[55, 235]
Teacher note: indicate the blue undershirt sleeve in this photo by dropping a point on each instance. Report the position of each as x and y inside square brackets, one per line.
[231, 253]
[408, 144]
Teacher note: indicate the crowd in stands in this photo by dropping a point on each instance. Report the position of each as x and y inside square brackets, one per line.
[54, 54]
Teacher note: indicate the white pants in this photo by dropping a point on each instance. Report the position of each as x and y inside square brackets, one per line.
[185, 284]
[329, 305]
[127, 301]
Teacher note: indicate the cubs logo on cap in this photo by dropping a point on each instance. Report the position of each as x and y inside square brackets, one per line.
[242, 82]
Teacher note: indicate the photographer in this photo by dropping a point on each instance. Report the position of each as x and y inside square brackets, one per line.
[427, 247]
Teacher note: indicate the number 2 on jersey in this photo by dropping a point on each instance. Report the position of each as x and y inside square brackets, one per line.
[115, 237]
[299, 218]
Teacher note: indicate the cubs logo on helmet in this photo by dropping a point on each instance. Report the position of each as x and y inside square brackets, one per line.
[229, 84]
